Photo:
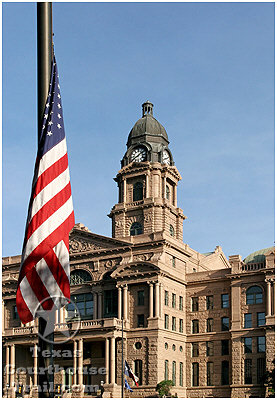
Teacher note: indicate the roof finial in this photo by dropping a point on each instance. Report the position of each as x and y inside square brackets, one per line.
[147, 108]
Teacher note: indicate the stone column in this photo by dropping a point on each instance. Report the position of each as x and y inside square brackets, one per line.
[75, 362]
[125, 302]
[175, 196]
[151, 299]
[157, 299]
[146, 186]
[94, 305]
[273, 298]
[164, 187]
[7, 364]
[3, 316]
[268, 297]
[35, 364]
[61, 312]
[124, 190]
[112, 359]
[160, 300]
[119, 304]
[80, 371]
[107, 359]
[12, 366]
[99, 305]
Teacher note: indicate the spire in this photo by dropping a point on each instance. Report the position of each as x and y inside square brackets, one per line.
[147, 108]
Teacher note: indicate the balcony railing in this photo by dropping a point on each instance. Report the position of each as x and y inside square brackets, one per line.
[253, 267]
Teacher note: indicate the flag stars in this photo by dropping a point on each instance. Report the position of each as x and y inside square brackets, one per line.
[47, 105]
[59, 126]
[50, 123]
[59, 106]
[45, 116]
[59, 115]
[49, 133]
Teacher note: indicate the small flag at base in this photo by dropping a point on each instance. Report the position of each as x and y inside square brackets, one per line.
[128, 386]
[129, 372]
[44, 274]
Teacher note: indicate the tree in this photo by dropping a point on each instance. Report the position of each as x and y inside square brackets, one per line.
[163, 388]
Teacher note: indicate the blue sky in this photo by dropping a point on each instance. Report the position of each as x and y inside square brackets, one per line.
[209, 70]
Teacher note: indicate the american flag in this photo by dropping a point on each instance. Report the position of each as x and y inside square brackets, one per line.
[44, 271]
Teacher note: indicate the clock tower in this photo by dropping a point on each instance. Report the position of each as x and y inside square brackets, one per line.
[147, 183]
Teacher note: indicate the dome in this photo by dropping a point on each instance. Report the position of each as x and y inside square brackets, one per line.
[257, 256]
[147, 125]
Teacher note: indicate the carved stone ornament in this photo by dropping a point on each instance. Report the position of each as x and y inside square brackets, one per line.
[119, 223]
[79, 245]
[148, 217]
[142, 257]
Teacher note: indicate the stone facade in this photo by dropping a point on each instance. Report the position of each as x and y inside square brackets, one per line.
[202, 320]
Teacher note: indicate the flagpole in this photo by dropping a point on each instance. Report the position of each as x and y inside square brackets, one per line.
[44, 60]
[122, 380]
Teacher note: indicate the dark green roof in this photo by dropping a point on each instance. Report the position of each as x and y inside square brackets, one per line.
[257, 256]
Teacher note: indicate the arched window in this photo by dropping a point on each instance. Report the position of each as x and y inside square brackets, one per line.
[138, 191]
[174, 372]
[79, 277]
[136, 229]
[166, 370]
[254, 295]
[167, 192]
[171, 230]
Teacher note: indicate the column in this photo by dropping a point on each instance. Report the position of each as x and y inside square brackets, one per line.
[160, 300]
[119, 304]
[12, 365]
[151, 299]
[75, 362]
[107, 359]
[94, 305]
[35, 364]
[112, 359]
[125, 302]
[7, 364]
[99, 305]
[273, 298]
[157, 299]
[164, 187]
[175, 196]
[56, 316]
[146, 186]
[124, 190]
[268, 297]
[80, 369]
[61, 312]
[3, 316]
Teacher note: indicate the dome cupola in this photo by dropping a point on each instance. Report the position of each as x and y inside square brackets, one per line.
[149, 138]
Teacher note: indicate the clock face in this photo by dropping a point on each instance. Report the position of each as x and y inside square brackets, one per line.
[166, 157]
[138, 155]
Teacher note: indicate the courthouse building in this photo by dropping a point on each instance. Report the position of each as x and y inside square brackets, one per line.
[204, 321]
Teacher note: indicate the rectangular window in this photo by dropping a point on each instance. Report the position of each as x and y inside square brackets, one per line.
[260, 369]
[209, 348]
[247, 320]
[181, 373]
[225, 373]
[210, 302]
[210, 373]
[166, 298]
[194, 349]
[195, 374]
[180, 303]
[84, 304]
[173, 300]
[224, 347]
[225, 300]
[194, 304]
[174, 372]
[140, 297]
[210, 324]
[173, 262]
[166, 321]
[15, 313]
[140, 320]
[261, 344]
[110, 301]
[174, 323]
[225, 324]
[260, 319]
[181, 326]
[248, 345]
[166, 370]
[138, 370]
[195, 326]
[247, 371]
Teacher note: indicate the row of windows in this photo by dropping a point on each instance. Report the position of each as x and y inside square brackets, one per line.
[210, 325]
[248, 372]
[173, 325]
[210, 348]
[173, 377]
[254, 295]
[225, 347]
[173, 302]
[138, 191]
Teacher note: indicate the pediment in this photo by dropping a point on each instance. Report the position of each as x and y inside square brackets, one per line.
[82, 240]
[135, 269]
